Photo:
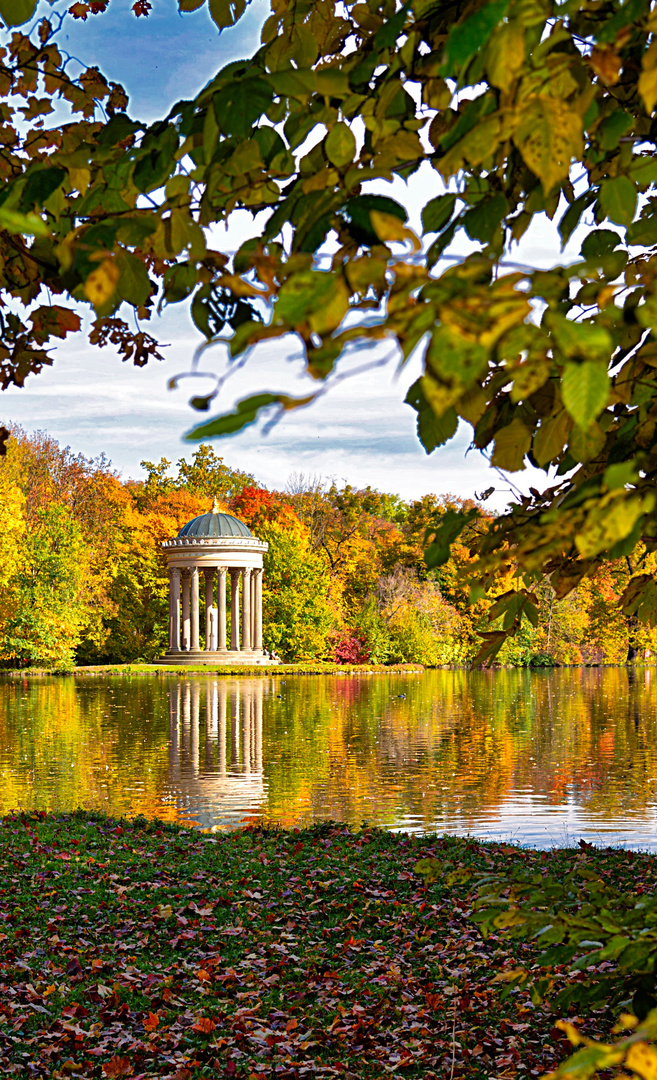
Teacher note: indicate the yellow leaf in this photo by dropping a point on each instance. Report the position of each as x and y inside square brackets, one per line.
[80, 179]
[549, 135]
[508, 918]
[101, 284]
[389, 227]
[648, 78]
[328, 315]
[510, 974]
[505, 54]
[611, 520]
[642, 1059]
[430, 869]
[528, 377]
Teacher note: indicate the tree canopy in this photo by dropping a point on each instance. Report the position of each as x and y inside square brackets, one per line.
[519, 109]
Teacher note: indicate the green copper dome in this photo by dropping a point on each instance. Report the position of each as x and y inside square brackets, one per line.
[215, 524]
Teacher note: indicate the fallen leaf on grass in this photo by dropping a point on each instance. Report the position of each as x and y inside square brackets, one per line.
[117, 1066]
[204, 1026]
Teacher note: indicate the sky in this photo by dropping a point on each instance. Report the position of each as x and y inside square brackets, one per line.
[360, 432]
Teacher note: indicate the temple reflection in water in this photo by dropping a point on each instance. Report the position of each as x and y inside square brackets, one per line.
[215, 749]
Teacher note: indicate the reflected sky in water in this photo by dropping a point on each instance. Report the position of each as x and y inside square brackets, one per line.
[541, 758]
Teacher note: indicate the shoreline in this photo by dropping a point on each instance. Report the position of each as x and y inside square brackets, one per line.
[301, 668]
[139, 948]
[312, 668]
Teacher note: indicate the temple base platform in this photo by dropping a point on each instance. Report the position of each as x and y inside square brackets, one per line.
[206, 658]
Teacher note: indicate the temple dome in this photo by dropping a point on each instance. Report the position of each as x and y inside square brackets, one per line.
[215, 523]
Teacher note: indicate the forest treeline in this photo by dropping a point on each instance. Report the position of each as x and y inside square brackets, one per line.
[83, 578]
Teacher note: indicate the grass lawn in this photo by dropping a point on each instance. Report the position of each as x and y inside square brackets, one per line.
[141, 949]
[318, 667]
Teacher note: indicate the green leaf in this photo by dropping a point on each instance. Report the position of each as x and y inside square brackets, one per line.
[551, 438]
[467, 38]
[437, 213]
[387, 35]
[156, 159]
[600, 242]
[612, 128]
[584, 340]
[586, 445]
[432, 430]
[301, 84]
[179, 281]
[644, 169]
[26, 224]
[117, 129]
[340, 145]
[585, 391]
[483, 219]
[440, 536]
[40, 184]
[134, 284]
[302, 294]
[17, 12]
[238, 105]
[573, 214]
[640, 598]
[357, 214]
[247, 411]
[511, 444]
[226, 13]
[617, 200]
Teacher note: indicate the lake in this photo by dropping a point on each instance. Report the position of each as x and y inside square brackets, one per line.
[540, 758]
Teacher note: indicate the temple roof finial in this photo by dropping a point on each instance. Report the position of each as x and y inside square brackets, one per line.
[215, 505]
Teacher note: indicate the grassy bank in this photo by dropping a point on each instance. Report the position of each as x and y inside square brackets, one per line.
[139, 949]
[314, 668]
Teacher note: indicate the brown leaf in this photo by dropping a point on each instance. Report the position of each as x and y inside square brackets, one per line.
[117, 1066]
[204, 1026]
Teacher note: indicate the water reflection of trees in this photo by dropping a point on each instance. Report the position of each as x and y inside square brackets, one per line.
[392, 748]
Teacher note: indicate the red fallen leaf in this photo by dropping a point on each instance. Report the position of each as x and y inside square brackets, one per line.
[203, 976]
[204, 1025]
[117, 1066]
[151, 1021]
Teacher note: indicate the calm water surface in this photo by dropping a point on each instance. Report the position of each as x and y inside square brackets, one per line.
[539, 758]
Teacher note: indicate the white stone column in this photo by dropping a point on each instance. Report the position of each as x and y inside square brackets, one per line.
[194, 608]
[185, 611]
[235, 610]
[257, 637]
[253, 608]
[174, 609]
[246, 608]
[210, 614]
[221, 644]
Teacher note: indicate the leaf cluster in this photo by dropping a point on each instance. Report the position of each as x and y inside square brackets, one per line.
[603, 937]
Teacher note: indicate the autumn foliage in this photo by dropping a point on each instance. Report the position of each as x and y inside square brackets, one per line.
[346, 578]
